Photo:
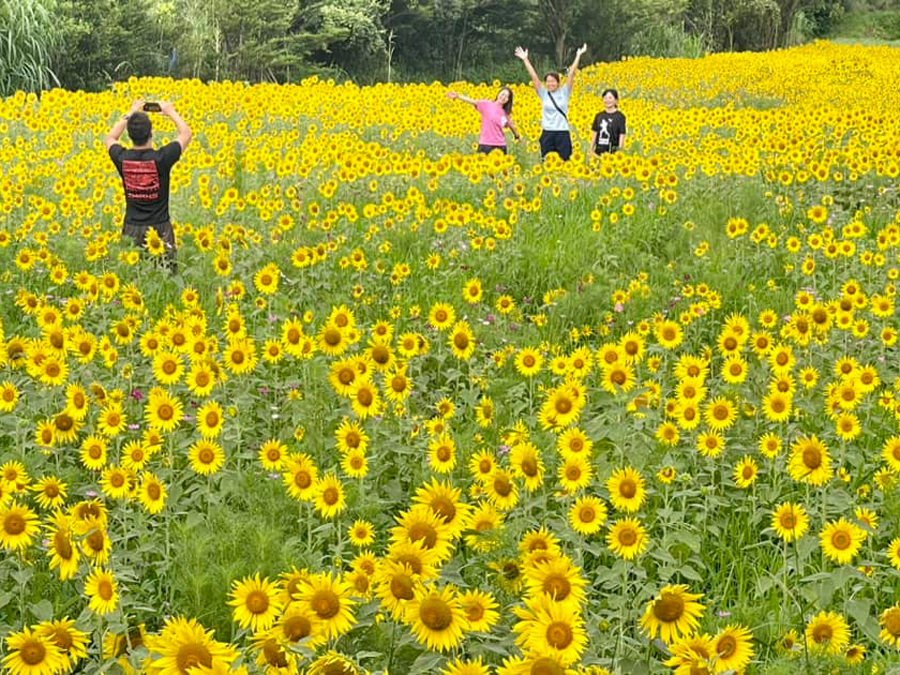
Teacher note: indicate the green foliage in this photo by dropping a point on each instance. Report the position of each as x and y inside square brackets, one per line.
[27, 39]
[95, 42]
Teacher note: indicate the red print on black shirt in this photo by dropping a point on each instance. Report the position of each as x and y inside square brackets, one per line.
[141, 180]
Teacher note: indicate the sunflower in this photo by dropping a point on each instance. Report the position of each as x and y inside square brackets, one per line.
[466, 667]
[365, 399]
[627, 538]
[574, 442]
[29, 652]
[893, 553]
[618, 377]
[51, 492]
[558, 578]
[68, 639]
[332, 340]
[272, 455]
[720, 413]
[587, 515]
[673, 614]
[116, 482]
[480, 609]
[256, 602]
[444, 501]
[329, 599]
[442, 453]
[351, 436]
[841, 540]
[163, 411]
[770, 445]
[733, 647]
[355, 464]
[626, 489]
[333, 663]
[18, 525]
[300, 477]
[485, 524]
[790, 521]
[168, 367]
[528, 362]
[891, 453]
[574, 473]
[436, 618]
[809, 461]
[61, 547]
[152, 493]
[441, 316]
[296, 624]
[668, 334]
[240, 356]
[329, 496]
[395, 585]
[777, 406]
[184, 647]
[461, 340]
[210, 419]
[102, 591]
[526, 463]
[890, 626]
[827, 632]
[482, 465]
[201, 379]
[745, 472]
[534, 664]
[96, 545]
[548, 628]
[206, 457]
[421, 524]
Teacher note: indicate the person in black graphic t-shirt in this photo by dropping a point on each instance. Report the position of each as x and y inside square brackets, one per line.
[145, 174]
[608, 129]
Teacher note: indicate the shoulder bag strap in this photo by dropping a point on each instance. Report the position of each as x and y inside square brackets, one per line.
[556, 105]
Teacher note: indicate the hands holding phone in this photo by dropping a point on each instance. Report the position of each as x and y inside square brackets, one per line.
[164, 107]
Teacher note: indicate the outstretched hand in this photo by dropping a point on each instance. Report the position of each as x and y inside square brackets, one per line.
[136, 106]
[581, 50]
[452, 95]
[522, 53]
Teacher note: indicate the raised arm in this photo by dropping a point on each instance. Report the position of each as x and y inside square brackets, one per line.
[184, 131]
[455, 96]
[119, 127]
[573, 69]
[535, 80]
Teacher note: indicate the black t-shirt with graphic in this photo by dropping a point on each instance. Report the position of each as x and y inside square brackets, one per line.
[145, 177]
[609, 126]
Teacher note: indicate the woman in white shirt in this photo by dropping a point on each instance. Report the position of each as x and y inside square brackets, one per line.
[555, 135]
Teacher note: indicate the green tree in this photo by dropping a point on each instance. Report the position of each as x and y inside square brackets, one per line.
[28, 37]
[105, 40]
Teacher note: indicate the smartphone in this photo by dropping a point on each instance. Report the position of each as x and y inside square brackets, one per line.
[151, 106]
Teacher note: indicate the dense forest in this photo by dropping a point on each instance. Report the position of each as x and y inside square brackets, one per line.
[86, 44]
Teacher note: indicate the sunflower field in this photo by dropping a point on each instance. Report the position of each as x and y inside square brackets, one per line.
[408, 409]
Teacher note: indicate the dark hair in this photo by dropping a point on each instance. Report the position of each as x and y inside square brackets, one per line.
[554, 75]
[139, 128]
[612, 91]
[507, 107]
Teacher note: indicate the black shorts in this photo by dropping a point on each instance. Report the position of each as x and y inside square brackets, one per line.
[559, 142]
[487, 149]
[607, 150]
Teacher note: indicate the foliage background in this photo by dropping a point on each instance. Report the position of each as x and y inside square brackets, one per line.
[86, 44]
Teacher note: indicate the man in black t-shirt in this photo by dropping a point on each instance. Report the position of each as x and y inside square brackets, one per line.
[145, 174]
[608, 129]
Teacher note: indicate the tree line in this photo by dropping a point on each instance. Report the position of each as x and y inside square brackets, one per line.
[86, 44]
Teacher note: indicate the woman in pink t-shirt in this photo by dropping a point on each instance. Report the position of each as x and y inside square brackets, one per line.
[495, 116]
